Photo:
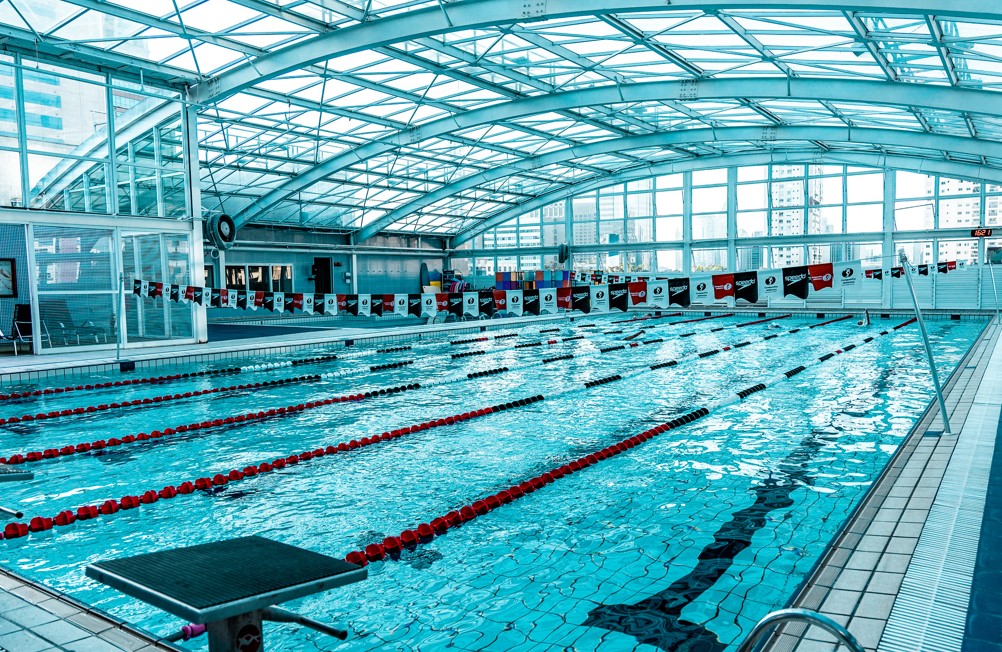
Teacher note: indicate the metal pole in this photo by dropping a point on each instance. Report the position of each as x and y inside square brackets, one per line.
[995, 289]
[925, 339]
[119, 312]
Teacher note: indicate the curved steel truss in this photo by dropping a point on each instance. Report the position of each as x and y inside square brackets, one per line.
[447, 118]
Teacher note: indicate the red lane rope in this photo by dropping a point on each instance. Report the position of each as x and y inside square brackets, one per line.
[207, 483]
[119, 383]
[103, 407]
[83, 447]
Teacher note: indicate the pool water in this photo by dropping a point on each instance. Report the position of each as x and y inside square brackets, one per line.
[681, 543]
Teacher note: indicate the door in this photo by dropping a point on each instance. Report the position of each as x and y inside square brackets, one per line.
[322, 281]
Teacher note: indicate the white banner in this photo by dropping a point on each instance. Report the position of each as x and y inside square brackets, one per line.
[770, 283]
[144, 288]
[400, 304]
[206, 297]
[364, 309]
[308, 304]
[701, 289]
[470, 304]
[428, 307]
[514, 300]
[848, 275]
[279, 301]
[599, 298]
[548, 301]
[657, 294]
[330, 304]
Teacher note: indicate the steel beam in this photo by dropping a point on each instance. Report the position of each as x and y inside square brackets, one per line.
[809, 89]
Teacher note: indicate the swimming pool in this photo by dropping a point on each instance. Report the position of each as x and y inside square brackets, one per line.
[689, 537]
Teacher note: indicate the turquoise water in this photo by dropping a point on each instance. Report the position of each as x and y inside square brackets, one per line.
[604, 559]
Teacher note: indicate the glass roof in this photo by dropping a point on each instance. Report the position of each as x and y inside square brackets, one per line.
[440, 130]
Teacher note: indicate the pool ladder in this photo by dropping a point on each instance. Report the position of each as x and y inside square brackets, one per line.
[792, 615]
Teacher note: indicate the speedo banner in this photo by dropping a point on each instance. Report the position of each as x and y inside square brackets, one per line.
[897, 272]
[619, 297]
[723, 286]
[699, 290]
[190, 293]
[657, 294]
[548, 301]
[501, 300]
[796, 281]
[485, 299]
[456, 304]
[471, 306]
[269, 301]
[242, 302]
[350, 302]
[923, 270]
[746, 286]
[515, 302]
[442, 301]
[138, 288]
[364, 305]
[156, 290]
[214, 299]
[679, 291]
[770, 283]
[174, 293]
[581, 298]
[847, 274]
[414, 305]
[564, 298]
[295, 302]
[375, 304]
[822, 276]
[530, 302]
[258, 299]
[400, 306]
[390, 304]
[638, 293]
[599, 298]
[876, 274]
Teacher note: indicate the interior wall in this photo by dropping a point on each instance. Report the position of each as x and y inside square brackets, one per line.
[12, 245]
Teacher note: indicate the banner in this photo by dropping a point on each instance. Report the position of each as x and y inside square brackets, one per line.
[414, 302]
[295, 302]
[485, 300]
[189, 293]
[137, 288]
[242, 302]
[581, 298]
[548, 301]
[471, 306]
[269, 300]
[619, 297]
[530, 302]
[258, 299]
[401, 307]
[174, 293]
[456, 304]
[279, 298]
[700, 289]
[364, 305]
[723, 286]
[215, 299]
[442, 302]
[923, 270]
[847, 275]
[374, 301]
[796, 281]
[599, 298]
[501, 300]
[390, 304]
[156, 290]
[822, 276]
[229, 298]
[897, 272]
[876, 274]
[205, 298]
[638, 292]
[348, 304]
[770, 283]
[657, 293]
[564, 298]
[330, 303]
[944, 268]
[515, 302]
[308, 303]
[746, 286]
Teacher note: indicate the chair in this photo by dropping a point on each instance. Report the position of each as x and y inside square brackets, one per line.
[57, 319]
[22, 330]
[9, 338]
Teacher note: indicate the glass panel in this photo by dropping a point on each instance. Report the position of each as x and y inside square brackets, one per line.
[709, 177]
[669, 181]
[669, 229]
[919, 252]
[751, 225]
[585, 232]
[670, 260]
[959, 250]
[753, 173]
[66, 185]
[610, 208]
[908, 185]
[709, 200]
[913, 215]
[281, 278]
[864, 188]
[754, 196]
[704, 260]
[669, 202]
[62, 114]
[787, 256]
[258, 278]
[73, 259]
[73, 319]
[869, 252]
[788, 222]
[948, 186]
[752, 257]
[10, 180]
[709, 227]
[824, 220]
[236, 277]
[993, 210]
[963, 212]
[640, 205]
[865, 218]
[640, 230]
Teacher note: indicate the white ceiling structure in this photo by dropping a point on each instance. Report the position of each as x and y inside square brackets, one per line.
[446, 118]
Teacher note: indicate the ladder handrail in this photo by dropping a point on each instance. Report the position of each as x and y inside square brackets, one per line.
[790, 615]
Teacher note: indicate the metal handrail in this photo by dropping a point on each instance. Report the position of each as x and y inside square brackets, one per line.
[790, 615]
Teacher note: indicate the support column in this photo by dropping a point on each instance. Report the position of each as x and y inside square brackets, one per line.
[193, 196]
[889, 255]
[732, 218]
[686, 223]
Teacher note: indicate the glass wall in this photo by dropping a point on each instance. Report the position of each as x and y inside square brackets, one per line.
[88, 143]
[755, 217]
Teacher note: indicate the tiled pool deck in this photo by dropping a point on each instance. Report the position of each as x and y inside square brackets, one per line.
[901, 576]
[907, 573]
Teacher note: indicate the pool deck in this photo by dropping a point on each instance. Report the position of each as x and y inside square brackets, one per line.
[35, 619]
[901, 575]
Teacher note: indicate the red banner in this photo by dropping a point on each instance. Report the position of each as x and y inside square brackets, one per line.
[563, 298]
[821, 275]
[389, 301]
[723, 285]
[189, 292]
[501, 299]
[296, 301]
[342, 303]
[638, 292]
[442, 302]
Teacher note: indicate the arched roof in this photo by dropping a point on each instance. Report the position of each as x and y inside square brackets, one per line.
[449, 117]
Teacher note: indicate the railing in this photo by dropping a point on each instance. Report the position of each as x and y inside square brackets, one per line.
[791, 615]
